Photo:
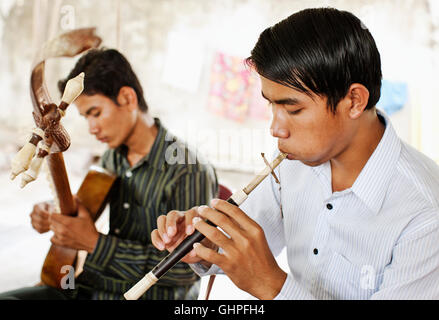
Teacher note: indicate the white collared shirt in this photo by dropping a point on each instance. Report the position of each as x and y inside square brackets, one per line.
[378, 239]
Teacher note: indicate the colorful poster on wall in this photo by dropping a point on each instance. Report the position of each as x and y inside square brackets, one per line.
[235, 91]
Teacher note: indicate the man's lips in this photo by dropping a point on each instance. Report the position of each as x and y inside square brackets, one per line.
[102, 139]
[289, 155]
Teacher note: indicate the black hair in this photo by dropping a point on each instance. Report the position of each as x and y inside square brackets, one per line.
[106, 71]
[322, 50]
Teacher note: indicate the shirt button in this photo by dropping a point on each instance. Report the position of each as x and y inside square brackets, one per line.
[126, 205]
[315, 251]
[117, 231]
[329, 206]
[128, 174]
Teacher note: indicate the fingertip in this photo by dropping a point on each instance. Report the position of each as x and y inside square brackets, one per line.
[201, 209]
[189, 229]
[192, 253]
[171, 231]
[195, 220]
[214, 202]
[165, 237]
[160, 245]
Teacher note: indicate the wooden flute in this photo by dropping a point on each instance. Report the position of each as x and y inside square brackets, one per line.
[187, 244]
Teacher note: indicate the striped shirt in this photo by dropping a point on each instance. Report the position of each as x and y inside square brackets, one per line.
[169, 177]
[378, 239]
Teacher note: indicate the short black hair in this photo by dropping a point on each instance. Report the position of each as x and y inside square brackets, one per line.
[106, 71]
[322, 50]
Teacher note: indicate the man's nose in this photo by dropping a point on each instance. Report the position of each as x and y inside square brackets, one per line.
[278, 128]
[279, 132]
[93, 128]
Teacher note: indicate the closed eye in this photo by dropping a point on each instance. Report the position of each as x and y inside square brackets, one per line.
[294, 112]
[93, 111]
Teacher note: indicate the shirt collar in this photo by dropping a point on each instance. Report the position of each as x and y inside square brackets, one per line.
[156, 156]
[372, 182]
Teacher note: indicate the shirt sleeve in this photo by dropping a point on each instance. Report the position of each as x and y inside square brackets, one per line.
[129, 260]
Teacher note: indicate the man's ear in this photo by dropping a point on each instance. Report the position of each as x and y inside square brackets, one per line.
[359, 98]
[127, 97]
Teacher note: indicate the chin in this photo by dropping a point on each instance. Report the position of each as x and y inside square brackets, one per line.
[111, 145]
[312, 163]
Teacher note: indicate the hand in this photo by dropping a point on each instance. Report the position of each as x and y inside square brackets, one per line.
[246, 257]
[74, 232]
[40, 216]
[173, 228]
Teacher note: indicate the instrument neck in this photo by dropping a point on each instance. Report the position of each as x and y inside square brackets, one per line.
[67, 205]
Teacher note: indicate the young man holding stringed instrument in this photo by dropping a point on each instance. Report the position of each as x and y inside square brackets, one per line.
[142, 153]
[356, 208]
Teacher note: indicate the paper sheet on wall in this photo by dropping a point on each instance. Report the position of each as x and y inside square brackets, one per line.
[394, 96]
[183, 61]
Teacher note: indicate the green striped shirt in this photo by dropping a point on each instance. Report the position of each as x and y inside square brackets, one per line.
[168, 178]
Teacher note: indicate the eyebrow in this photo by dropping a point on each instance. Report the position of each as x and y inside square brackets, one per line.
[89, 111]
[288, 101]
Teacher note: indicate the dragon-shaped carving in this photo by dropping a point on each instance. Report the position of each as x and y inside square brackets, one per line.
[45, 112]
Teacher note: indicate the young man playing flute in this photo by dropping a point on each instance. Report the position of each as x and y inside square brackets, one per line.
[356, 207]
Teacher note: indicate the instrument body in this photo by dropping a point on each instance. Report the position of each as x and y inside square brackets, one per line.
[93, 194]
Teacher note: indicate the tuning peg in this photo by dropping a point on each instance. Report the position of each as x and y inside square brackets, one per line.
[73, 89]
[34, 169]
[23, 158]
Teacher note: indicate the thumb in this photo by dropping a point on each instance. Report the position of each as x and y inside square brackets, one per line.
[82, 210]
